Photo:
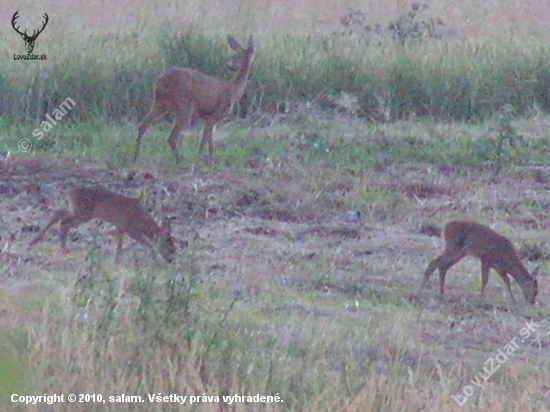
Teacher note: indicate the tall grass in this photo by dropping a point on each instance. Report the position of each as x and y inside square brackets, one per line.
[111, 77]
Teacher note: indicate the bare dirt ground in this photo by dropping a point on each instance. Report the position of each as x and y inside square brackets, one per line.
[253, 233]
[279, 236]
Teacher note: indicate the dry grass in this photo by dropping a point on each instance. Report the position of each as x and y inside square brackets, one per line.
[304, 278]
[281, 289]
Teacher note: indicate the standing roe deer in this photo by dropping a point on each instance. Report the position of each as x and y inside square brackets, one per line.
[123, 212]
[189, 94]
[493, 250]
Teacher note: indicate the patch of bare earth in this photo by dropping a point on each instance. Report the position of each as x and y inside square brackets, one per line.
[262, 236]
[278, 225]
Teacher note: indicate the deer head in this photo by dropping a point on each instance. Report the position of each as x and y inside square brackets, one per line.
[29, 40]
[243, 57]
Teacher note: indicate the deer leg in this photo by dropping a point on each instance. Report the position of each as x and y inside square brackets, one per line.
[485, 268]
[152, 117]
[68, 223]
[442, 274]
[443, 263]
[434, 264]
[56, 217]
[504, 276]
[207, 134]
[183, 118]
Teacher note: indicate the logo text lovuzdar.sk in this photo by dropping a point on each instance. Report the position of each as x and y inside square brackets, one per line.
[29, 39]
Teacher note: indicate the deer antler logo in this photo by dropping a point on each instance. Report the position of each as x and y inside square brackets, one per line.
[29, 40]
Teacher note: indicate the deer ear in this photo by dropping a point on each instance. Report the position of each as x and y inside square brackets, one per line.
[251, 42]
[234, 43]
[535, 273]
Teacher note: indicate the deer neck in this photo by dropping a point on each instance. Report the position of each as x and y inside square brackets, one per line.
[238, 83]
[521, 274]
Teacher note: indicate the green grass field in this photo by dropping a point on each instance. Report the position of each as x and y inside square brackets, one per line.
[283, 290]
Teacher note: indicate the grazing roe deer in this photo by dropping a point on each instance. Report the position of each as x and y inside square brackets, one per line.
[493, 250]
[189, 94]
[123, 212]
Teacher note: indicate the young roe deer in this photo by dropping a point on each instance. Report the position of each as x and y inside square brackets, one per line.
[189, 94]
[493, 250]
[123, 212]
